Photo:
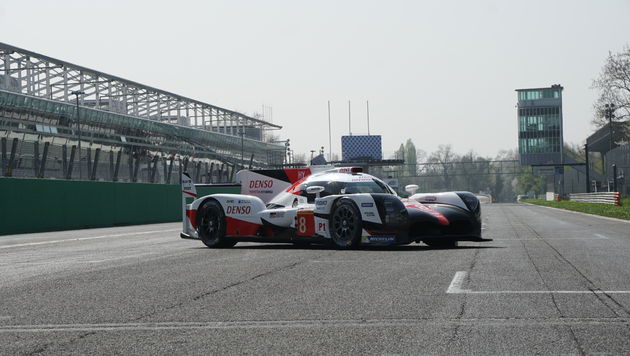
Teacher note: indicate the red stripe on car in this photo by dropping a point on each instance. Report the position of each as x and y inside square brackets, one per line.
[236, 227]
[192, 216]
[441, 218]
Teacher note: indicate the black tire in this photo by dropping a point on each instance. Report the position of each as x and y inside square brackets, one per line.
[442, 244]
[345, 224]
[211, 225]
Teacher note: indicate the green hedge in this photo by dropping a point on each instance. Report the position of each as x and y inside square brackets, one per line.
[619, 212]
[37, 205]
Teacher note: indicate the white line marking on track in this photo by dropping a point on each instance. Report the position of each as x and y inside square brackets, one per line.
[86, 238]
[456, 288]
[547, 292]
[289, 324]
[456, 283]
[598, 237]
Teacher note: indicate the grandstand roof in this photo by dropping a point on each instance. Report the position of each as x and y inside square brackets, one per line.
[44, 76]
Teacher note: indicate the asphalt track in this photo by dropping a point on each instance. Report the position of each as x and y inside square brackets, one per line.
[551, 282]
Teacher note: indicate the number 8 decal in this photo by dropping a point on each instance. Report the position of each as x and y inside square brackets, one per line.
[305, 223]
[302, 224]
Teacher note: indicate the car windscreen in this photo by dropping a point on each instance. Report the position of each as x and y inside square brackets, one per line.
[339, 188]
[367, 186]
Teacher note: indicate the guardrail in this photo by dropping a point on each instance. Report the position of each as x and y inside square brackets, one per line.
[613, 198]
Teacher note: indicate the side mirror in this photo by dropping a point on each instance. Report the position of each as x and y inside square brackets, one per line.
[411, 189]
[316, 189]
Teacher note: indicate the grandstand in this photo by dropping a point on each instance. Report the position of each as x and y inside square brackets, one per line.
[60, 120]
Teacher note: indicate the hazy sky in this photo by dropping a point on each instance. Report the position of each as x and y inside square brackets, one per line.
[438, 72]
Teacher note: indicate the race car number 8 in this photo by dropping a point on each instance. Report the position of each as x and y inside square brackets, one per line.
[302, 224]
[305, 225]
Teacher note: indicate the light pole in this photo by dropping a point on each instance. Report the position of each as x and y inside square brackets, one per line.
[287, 146]
[610, 113]
[76, 93]
[242, 133]
[588, 172]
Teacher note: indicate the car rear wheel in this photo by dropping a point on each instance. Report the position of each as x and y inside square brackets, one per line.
[345, 224]
[211, 225]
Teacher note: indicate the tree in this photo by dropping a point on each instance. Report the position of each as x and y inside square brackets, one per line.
[526, 181]
[443, 159]
[299, 158]
[411, 158]
[421, 155]
[400, 154]
[505, 179]
[269, 137]
[613, 84]
[472, 173]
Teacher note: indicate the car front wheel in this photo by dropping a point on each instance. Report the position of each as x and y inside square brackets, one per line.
[345, 224]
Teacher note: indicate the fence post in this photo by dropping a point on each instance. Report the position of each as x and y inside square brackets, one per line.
[4, 155]
[64, 159]
[117, 166]
[11, 164]
[89, 163]
[154, 168]
[197, 171]
[111, 165]
[36, 158]
[170, 170]
[221, 172]
[130, 164]
[42, 167]
[73, 152]
[97, 153]
[135, 168]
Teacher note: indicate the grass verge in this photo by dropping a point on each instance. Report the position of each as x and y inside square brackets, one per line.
[619, 212]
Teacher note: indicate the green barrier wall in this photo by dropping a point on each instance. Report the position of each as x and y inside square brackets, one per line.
[37, 205]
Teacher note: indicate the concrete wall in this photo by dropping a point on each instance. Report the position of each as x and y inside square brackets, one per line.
[37, 205]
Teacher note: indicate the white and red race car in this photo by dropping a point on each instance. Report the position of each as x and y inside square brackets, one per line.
[341, 206]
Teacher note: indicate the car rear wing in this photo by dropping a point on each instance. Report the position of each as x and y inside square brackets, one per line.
[267, 183]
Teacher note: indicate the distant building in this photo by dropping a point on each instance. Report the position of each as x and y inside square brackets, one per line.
[539, 113]
[612, 141]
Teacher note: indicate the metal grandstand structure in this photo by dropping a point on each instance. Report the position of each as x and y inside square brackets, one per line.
[68, 110]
